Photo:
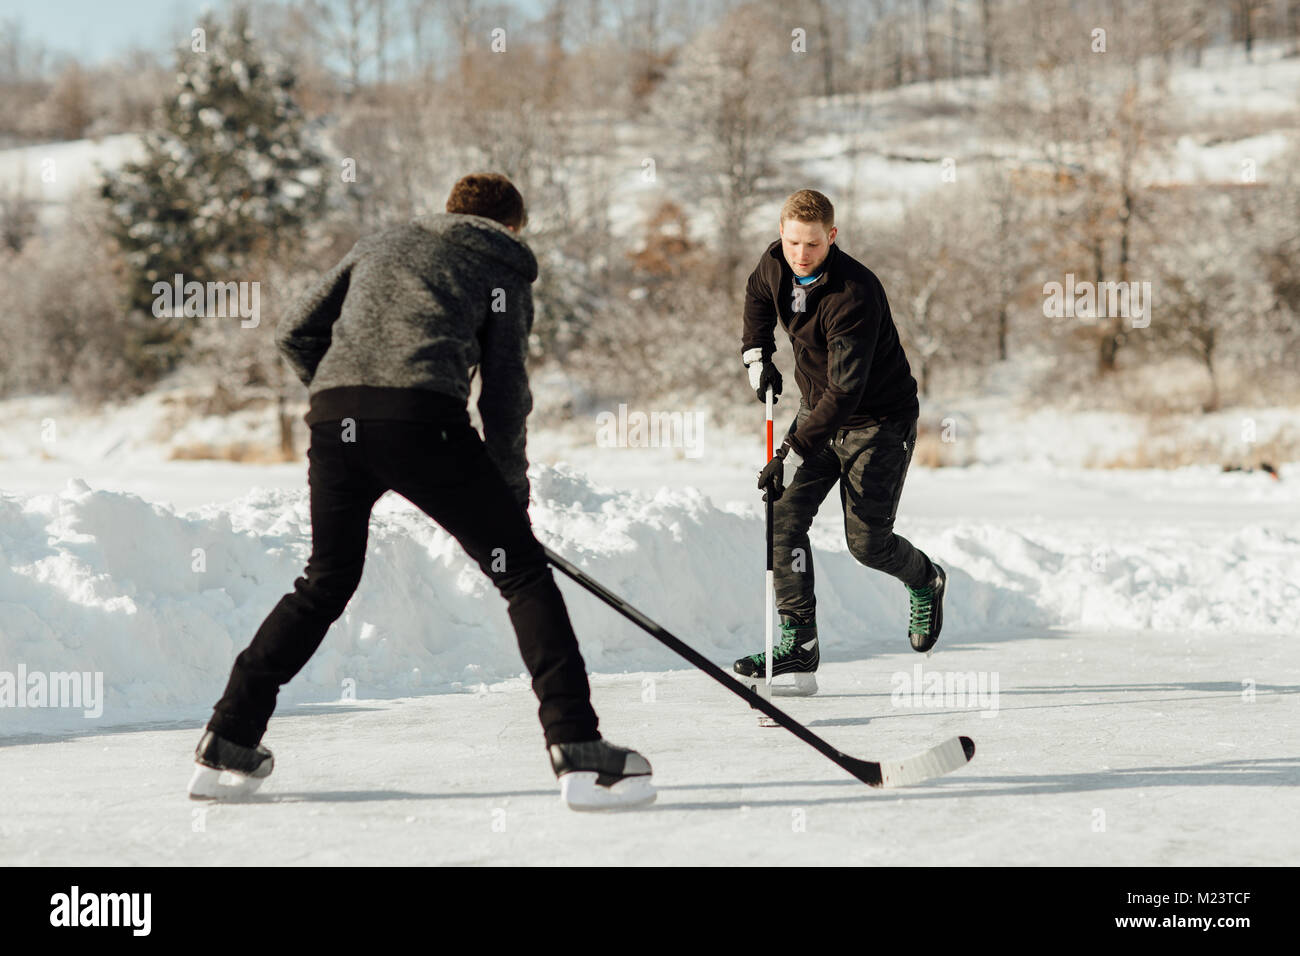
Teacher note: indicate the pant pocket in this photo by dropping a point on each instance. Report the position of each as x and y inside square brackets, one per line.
[909, 446]
[876, 463]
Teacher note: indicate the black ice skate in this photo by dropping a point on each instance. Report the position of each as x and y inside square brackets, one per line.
[596, 775]
[797, 653]
[225, 770]
[927, 612]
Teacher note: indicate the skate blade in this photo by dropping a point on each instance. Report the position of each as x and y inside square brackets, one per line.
[208, 783]
[581, 792]
[802, 685]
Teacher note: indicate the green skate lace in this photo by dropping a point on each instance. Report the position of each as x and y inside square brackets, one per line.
[782, 650]
[921, 602]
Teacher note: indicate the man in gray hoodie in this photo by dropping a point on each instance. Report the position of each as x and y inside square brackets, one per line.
[387, 343]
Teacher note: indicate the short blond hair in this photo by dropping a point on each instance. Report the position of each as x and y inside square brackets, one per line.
[808, 205]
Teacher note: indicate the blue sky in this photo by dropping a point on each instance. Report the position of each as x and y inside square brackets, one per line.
[95, 30]
[98, 29]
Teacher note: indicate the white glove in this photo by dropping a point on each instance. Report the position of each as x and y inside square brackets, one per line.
[761, 374]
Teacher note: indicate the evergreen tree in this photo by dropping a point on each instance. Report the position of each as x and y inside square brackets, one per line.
[228, 178]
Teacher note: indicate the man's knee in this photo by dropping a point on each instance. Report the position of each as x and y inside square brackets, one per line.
[329, 590]
[874, 546]
[790, 523]
[519, 570]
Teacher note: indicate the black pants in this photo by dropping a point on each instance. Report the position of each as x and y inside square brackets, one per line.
[444, 470]
[869, 464]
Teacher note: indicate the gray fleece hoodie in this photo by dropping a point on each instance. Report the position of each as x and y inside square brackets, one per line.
[394, 330]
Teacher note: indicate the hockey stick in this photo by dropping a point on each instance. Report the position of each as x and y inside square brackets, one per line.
[935, 762]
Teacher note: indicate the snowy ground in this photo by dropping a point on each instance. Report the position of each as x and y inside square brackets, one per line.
[1139, 625]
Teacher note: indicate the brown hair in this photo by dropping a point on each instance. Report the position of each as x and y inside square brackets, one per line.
[808, 205]
[490, 195]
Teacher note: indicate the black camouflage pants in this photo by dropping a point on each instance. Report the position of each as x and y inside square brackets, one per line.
[870, 464]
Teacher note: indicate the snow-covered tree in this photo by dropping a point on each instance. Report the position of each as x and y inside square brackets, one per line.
[228, 176]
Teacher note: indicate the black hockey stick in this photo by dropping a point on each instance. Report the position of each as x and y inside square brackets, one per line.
[946, 757]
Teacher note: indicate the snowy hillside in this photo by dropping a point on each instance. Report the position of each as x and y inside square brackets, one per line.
[878, 150]
[55, 174]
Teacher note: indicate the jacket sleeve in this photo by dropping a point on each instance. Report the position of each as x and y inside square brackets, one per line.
[504, 397]
[851, 334]
[760, 315]
[303, 333]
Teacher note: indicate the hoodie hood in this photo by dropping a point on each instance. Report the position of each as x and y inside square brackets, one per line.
[485, 237]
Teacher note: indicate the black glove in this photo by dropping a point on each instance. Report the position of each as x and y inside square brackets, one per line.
[768, 376]
[762, 373]
[771, 480]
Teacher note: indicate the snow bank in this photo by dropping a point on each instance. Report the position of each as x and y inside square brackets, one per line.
[55, 174]
[161, 602]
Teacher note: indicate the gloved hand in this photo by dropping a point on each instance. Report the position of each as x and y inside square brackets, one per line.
[771, 480]
[762, 374]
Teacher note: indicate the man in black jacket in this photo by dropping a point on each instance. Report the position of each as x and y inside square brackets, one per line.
[856, 426]
[387, 343]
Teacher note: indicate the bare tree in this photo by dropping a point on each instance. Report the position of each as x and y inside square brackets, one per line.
[1013, 249]
[382, 38]
[725, 99]
[826, 47]
[986, 34]
[348, 29]
[929, 265]
[419, 14]
[1094, 105]
[1245, 16]
[18, 215]
[1212, 300]
[461, 18]
[54, 331]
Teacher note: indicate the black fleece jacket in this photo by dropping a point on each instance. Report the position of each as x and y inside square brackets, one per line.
[849, 363]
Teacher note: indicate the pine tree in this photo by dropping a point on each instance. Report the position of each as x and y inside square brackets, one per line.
[228, 178]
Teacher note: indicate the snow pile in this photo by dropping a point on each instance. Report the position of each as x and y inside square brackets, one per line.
[161, 602]
[1242, 582]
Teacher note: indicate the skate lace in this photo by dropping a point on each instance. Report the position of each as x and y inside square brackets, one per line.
[781, 651]
[922, 602]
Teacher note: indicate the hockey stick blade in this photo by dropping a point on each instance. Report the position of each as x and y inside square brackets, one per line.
[935, 762]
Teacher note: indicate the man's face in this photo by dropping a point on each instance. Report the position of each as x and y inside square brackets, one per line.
[805, 245]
